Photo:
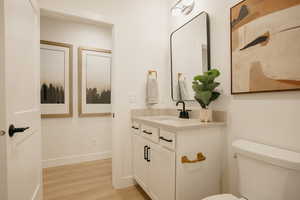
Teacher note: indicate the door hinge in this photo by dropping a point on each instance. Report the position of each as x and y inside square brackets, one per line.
[2, 133]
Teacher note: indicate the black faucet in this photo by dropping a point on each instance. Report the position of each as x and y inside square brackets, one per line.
[183, 112]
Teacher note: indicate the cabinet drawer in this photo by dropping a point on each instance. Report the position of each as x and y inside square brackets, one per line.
[150, 132]
[136, 128]
[167, 139]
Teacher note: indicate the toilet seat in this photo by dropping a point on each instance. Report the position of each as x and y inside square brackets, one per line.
[223, 197]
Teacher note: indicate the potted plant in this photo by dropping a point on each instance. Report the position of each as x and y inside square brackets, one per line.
[205, 92]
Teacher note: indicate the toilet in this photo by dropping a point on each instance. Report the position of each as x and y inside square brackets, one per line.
[265, 173]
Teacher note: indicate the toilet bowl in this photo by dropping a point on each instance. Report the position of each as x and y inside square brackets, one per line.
[260, 165]
[223, 197]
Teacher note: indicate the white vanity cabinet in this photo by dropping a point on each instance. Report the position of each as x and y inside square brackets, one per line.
[154, 168]
[140, 163]
[161, 173]
[177, 164]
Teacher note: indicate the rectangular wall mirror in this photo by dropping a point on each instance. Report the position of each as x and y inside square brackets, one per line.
[190, 55]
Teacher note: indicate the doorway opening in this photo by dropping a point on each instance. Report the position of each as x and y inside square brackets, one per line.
[76, 55]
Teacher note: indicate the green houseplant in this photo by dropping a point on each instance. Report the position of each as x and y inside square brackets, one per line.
[205, 92]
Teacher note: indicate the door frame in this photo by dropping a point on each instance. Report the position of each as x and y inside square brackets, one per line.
[96, 20]
[3, 170]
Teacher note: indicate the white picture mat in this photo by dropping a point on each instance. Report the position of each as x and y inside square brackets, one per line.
[57, 108]
[104, 60]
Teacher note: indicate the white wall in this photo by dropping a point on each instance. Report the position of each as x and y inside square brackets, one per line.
[141, 43]
[76, 139]
[266, 118]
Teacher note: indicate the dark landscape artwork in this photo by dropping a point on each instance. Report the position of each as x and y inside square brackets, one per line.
[51, 94]
[52, 76]
[93, 96]
[56, 79]
[265, 46]
[98, 87]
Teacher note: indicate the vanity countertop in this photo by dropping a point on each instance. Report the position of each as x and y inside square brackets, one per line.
[175, 123]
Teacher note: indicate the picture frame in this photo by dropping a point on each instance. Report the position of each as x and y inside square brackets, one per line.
[56, 79]
[94, 82]
[263, 46]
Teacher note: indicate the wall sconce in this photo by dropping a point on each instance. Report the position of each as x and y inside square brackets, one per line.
[184, 7]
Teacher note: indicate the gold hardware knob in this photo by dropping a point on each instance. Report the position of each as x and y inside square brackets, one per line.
[200, 158]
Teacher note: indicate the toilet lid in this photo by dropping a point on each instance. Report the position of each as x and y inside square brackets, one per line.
[222, 197]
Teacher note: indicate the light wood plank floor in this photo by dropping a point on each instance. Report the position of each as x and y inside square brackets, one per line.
[86, 181]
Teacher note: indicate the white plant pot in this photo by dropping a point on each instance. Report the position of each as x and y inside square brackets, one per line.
[206, 115]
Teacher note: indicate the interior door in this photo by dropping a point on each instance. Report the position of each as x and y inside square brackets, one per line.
[161, 173]
[20, 151]
[140, 162]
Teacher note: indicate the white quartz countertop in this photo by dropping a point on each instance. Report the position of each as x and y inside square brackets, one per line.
[175, 123]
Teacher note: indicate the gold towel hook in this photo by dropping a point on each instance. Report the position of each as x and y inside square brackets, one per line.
[179, 75]
[150, 72]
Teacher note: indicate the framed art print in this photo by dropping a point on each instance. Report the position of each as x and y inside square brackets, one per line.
[94, 75]
[265, 46]
[56, 79]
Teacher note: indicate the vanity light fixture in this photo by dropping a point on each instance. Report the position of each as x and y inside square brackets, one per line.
[176, 11]
[188, 2]
[184, 7]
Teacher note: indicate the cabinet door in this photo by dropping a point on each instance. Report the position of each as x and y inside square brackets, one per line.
[161, 179]
[140, 165]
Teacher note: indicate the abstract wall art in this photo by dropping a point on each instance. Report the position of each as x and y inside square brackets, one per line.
[56, 79]
[94, 82]
[265, 46]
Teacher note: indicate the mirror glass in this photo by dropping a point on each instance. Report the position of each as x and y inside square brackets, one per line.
[189, 56]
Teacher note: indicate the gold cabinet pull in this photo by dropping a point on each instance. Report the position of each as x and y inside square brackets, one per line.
[200, 158]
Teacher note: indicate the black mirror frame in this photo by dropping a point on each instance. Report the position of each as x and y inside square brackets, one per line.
[208, 48]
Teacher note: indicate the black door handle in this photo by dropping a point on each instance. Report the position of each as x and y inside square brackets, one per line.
[149, 133]
[162, 138]
[145, 152]
[148, 159]
[12, 130]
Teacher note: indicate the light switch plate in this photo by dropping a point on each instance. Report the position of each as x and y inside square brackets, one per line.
[132, 98]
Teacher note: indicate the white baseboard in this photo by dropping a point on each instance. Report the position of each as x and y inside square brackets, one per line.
[76, 159]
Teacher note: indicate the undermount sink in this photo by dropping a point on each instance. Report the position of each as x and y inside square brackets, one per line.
[173, 119]
[166, 118]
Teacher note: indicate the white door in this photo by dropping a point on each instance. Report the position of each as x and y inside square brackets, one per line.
[140, 161]
[161, 182]
[20, 166]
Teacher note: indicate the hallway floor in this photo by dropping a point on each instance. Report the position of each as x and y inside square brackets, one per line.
[86, 181]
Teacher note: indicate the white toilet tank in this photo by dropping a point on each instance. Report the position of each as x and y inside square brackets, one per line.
[267, 173]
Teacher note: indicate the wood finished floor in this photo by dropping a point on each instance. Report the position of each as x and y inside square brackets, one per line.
[86, 181]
